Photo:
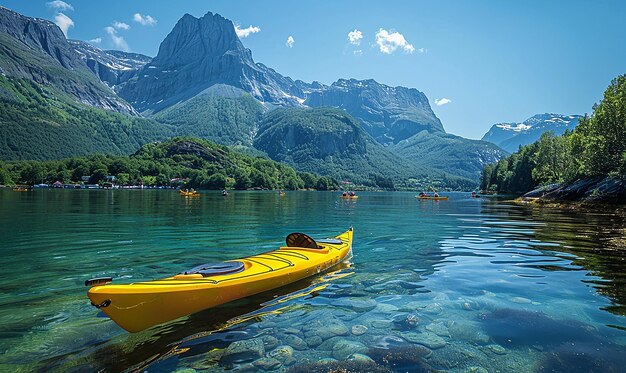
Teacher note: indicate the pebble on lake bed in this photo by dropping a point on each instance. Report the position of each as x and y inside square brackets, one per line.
[281, 353]
[359, 329]
[496, 349]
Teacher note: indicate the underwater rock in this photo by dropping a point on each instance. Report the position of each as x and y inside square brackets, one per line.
[511, 327]
[270, 342]
[185, 370]
[332, 329]
[496, 349]
[344, 348]
[267, 363]
[313, 341]
[430, 340]
[405, 322]
[243, 351]
[358, 329]
[356, 304]
[295, 342]
[328, 344]
[438, 328]
[360, 358]
[281, 353]
[408, 358]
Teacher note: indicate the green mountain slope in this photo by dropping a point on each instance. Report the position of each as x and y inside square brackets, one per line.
[39, 122]
[330, 142]
[225, 120]
[448, 153]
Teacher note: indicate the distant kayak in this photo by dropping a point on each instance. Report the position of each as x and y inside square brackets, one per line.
[140, 305]
[349, 197]
[440, 198]
[189, 193]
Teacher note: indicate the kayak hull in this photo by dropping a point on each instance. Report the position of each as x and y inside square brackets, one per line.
[140, 305]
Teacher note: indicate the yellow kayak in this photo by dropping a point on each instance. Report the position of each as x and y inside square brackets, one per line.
[188, 194]
[445, 198]
[349, 197]
[140, 305]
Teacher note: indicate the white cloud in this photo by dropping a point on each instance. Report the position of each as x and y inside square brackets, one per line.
[60, 5]
[442, 101]
[120, 25]
[245, 32]
[97, 40]
[290, 41]
[358, 52]
[423, 50]
[388, 42]
[64, 22]
[118, 41]
[144, 20]
[355, 37]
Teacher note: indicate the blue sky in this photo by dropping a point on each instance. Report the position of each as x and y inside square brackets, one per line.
[488, 61]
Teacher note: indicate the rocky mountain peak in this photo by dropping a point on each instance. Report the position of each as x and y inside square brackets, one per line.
[201, 38]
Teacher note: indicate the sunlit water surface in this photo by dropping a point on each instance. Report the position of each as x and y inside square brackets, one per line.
[465, 285]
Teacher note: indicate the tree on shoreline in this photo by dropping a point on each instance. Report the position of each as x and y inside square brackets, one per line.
[596, 147]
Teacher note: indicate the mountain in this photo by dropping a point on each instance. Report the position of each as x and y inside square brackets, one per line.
[330, 142]
[510, 136]
[37, 50]
[197, 54]
[449, 153]
[389, 114]
[52, 105]
[111, 67]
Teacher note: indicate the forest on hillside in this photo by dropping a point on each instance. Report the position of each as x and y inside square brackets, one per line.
[178, 162]
[596, 147]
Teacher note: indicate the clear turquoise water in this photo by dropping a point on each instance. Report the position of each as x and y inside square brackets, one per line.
[482, 282]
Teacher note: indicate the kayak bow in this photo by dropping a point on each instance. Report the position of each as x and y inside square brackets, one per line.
[140, 305]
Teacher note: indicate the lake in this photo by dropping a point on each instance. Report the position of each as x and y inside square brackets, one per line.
[464, 285]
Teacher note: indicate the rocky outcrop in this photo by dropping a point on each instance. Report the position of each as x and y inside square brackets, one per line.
[510, 136]
[599, 189]
[199, 53]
